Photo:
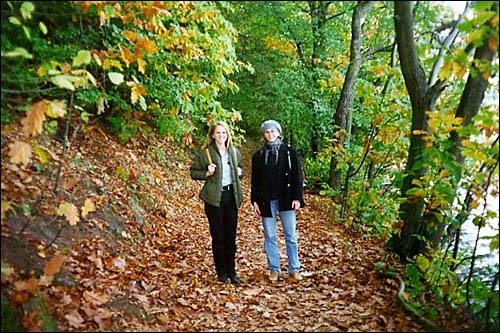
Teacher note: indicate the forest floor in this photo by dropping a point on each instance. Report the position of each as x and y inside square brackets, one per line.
[138, 258]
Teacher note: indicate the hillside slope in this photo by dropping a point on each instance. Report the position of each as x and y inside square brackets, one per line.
[140, 259]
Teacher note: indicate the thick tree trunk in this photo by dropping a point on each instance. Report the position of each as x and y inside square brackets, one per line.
[416, 231]
[408, 243]
[319, 16]
[342, 114]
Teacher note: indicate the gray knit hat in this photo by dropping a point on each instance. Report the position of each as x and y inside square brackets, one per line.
[270, 124]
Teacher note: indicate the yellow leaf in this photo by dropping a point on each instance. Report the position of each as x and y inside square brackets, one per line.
[83, 57]
[88, 207]
[20, 152]
[443, 173]
[130, 35]
[56, 109]
[146, 44]
[41, 250]
[41, 154]
[419, 132]
[5, 208]
[141, 63]
[69, 211]
[41, 71]
[134, 96]
[474, 204]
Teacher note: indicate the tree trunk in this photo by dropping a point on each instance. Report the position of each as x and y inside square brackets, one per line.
[416, 231]
[342, 114]
[409, 242]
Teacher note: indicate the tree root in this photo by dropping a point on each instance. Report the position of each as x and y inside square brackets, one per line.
[407, 307]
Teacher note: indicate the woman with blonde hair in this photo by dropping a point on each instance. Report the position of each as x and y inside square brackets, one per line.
[220, 166]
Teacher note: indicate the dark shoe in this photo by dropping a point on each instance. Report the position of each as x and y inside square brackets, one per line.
[223, 279]
[234, 279]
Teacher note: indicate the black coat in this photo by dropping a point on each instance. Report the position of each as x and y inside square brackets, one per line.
[290, 180]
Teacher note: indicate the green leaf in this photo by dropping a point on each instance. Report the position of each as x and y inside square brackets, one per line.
[423, 263]
[26, 9]
[83, 57]
[116, 78]
[62, 82]
[18, 52]
[27, 32]
[84, 116]
[43, 28]
[14, 20]
[41, 153]
[494, 244]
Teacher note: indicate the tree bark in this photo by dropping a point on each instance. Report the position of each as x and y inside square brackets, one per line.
[416, 231]
[408, 243]
[342, 113]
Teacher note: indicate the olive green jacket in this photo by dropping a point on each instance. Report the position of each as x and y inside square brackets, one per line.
[211, 191]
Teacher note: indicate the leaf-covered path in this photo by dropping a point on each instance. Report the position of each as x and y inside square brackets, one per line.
[340, 291]
[142, 261]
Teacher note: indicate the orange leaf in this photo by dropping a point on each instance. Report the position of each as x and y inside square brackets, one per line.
[74, 319]
[33, 122]
[30, 285]
[20, 152]
[54, 265]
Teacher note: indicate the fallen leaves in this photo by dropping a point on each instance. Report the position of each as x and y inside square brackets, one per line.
[149, 266]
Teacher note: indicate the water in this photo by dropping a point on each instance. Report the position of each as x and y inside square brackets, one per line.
[468, 239]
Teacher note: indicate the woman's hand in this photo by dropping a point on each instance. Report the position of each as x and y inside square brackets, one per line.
[211, 169]
[256, 209]
[295, 204]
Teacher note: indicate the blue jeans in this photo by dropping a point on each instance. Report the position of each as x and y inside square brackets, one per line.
[288, 223]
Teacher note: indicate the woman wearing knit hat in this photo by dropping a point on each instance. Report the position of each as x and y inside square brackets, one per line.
[276, 187]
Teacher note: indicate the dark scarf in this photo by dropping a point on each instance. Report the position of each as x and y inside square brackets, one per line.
[272, 149]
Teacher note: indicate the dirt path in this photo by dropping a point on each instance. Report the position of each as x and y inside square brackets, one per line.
[130, 268]
[340, 291]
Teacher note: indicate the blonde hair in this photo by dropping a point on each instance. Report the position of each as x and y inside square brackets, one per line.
[210, 139]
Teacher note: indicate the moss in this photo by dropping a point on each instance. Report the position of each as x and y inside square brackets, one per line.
[10, 317]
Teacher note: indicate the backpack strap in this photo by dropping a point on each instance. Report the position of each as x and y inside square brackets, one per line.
[208, 156]
[289, 159]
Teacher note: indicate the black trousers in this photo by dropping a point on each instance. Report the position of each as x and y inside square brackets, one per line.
[223, 222]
